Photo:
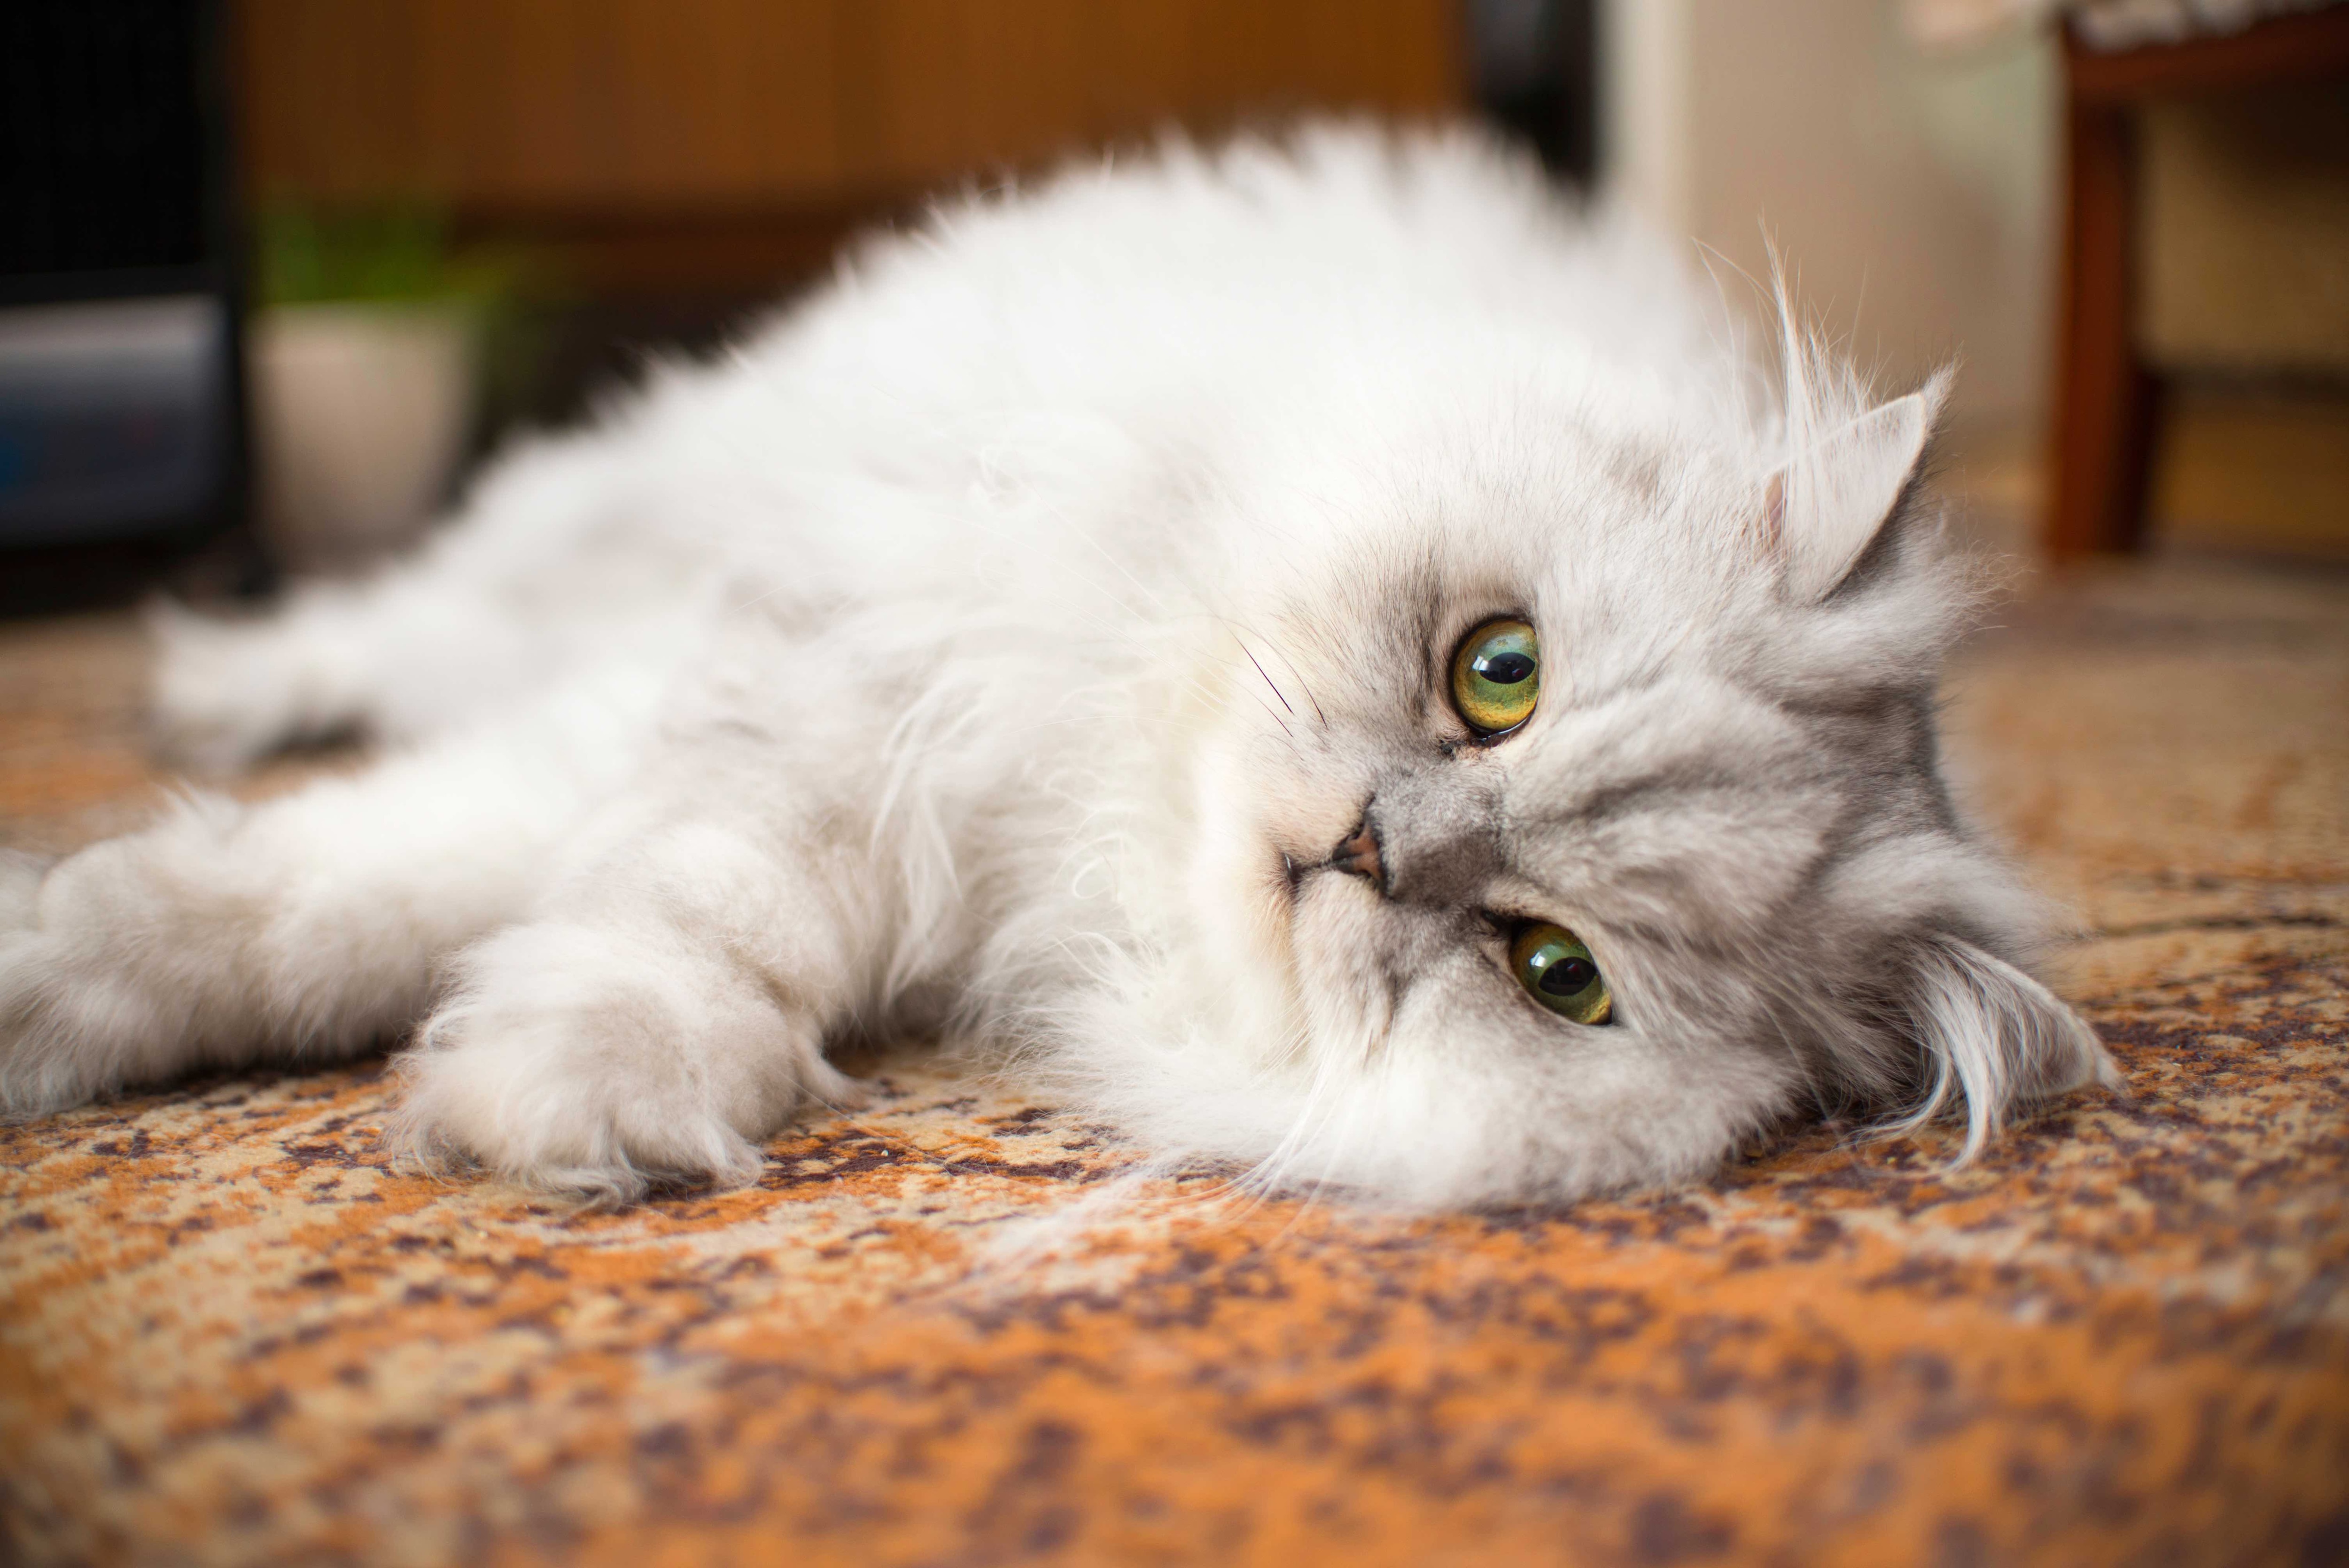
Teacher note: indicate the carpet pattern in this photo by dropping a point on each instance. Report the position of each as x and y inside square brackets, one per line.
[946, 1330]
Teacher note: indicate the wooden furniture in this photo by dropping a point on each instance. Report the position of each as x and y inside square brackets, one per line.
[682, 144]
[2107, 406]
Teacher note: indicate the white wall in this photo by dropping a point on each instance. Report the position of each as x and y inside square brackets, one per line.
[1912, 196]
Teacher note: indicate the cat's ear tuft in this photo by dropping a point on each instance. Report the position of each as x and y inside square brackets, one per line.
[1830, 500]
[1995, 1036]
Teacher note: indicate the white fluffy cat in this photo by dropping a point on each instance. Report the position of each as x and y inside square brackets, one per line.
[1323, 646]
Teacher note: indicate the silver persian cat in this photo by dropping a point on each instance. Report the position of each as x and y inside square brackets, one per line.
[1319, 648]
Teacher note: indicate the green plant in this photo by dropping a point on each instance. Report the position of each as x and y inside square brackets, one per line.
[400, 252]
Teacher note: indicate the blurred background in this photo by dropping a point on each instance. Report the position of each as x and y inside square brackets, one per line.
[274, 273]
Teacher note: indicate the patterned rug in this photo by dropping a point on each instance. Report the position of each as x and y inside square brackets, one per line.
[946, 1331]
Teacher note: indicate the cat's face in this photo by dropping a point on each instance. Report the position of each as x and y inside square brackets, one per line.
[1554, 835]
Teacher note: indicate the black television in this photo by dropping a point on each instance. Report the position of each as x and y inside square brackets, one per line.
[121, 407]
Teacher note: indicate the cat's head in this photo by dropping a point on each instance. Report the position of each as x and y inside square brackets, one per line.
[1571, 812]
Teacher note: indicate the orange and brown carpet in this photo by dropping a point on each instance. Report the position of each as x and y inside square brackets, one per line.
[940, 1332]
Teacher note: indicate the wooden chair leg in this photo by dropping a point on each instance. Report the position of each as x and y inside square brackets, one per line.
[2107, 402]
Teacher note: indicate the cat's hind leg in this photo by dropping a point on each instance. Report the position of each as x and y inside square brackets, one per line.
[332, 659]
[544, 571]
[309, 926]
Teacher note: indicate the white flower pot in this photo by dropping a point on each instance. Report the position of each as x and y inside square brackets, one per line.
[359, 416]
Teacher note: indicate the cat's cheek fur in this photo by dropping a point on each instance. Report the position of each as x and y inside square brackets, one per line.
[1446, 1088]
[1263, 811]
[1346, 973]
[1236, 900]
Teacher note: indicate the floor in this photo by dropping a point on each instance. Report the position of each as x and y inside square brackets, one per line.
[942, 1332]
[2244, 468]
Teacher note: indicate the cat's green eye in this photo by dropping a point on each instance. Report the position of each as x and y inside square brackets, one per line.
[1557, 971]
[1497, 677]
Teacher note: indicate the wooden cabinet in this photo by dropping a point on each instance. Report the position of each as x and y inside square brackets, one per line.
[657, 137]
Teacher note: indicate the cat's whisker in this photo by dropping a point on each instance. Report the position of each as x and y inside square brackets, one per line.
[1269, 682]
[1240, 632]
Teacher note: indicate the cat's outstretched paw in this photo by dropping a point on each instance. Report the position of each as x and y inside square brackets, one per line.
[582, 1062]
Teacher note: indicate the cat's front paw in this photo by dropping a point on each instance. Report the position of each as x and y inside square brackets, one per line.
[592, 1063]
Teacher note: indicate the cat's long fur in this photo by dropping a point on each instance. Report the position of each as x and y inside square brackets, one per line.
[1001, 640]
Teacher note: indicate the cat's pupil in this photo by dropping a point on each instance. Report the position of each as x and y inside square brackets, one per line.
[1568, 976]
[1505, 669]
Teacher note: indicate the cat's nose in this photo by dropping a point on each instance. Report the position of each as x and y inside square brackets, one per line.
[1427, 839]
[1358, 854]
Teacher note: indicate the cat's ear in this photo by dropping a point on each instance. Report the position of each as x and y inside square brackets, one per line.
[1994, 1035]
[1831, 499]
